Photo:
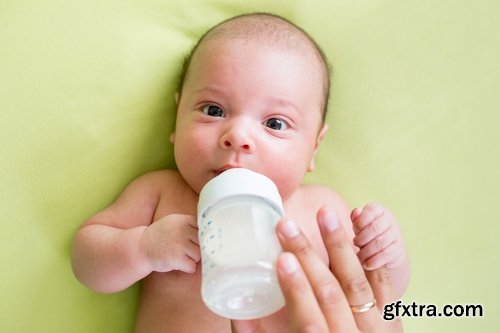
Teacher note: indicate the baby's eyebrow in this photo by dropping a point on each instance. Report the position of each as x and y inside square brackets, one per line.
[207, 93]
[209, 89]
[283, 103]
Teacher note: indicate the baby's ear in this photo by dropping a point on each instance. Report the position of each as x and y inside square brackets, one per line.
[321, 135]
[319, 139]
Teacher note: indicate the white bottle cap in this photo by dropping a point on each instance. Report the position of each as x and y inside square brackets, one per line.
[239, 181]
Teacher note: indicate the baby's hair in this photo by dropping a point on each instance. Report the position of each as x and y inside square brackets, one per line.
[266, 28]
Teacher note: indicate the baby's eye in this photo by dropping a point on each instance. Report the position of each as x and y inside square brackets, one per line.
[213, 111]
[276, 124]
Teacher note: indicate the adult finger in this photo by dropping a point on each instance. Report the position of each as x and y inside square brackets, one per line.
[246, 326]
[303, 309]
[381, 282]
[347, 269]
[327, 290]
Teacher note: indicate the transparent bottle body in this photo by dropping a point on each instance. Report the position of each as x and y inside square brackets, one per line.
[239, 250]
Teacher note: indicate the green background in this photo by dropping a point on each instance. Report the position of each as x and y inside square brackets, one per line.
[87, 104]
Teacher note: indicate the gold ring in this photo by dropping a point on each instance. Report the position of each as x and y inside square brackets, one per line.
[363, 307]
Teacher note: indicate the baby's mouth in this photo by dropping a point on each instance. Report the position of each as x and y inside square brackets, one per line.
[224, 168]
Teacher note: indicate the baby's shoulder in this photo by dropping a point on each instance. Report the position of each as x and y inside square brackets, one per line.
[322, 196]
[162, 175]
[156, 183]
[166, 189]
[158, 179]
[318, 197]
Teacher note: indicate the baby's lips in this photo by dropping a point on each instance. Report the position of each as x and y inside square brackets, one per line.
[225, 168]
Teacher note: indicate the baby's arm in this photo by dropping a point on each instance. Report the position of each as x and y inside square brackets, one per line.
[119, 246]
[381, 243]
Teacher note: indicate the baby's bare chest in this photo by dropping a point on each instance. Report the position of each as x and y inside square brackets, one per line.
[172, 301]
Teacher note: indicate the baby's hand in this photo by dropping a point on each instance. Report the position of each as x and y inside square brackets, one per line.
[377, 236]
[171, 243]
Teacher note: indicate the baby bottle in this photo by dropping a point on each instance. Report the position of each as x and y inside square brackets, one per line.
[237, 214]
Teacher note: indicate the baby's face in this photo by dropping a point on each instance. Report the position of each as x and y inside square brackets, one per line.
[248, 105]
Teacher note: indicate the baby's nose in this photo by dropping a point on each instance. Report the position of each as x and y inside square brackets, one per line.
[237, 139]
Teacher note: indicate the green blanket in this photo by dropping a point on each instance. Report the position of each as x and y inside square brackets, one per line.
[87, 104]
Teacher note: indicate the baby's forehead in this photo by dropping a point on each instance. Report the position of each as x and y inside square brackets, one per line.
[215, 45]
[265, 30]
[292, 44]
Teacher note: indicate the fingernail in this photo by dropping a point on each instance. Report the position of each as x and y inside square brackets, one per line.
[355, 214]
[288, 263]
[290, 229]
[329, 221]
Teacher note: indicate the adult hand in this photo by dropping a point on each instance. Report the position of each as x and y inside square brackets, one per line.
[321, 299]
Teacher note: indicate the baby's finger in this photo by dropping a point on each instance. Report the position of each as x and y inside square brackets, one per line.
[376, 245]
[356, 212]
[388, 255]
[193, 251]
[369, 213]
[185, 264]
[371, 231]
[190, 227]
[193, 223]
[193, 238]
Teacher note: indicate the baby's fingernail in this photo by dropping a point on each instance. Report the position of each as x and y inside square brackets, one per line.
[290, 229]
[288, 263]
[329, 221]
[355, 214]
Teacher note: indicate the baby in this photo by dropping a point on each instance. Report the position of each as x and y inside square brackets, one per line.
[254, 94]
